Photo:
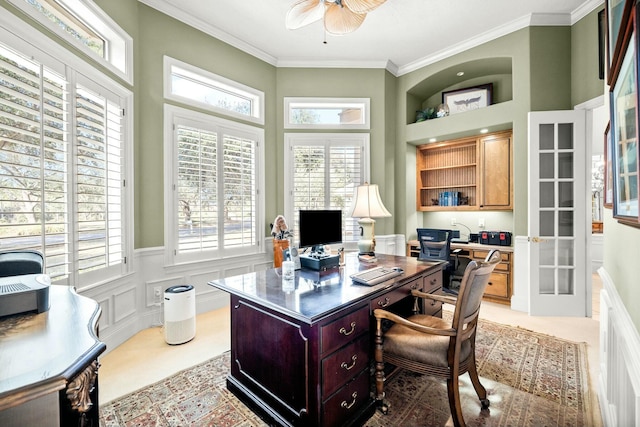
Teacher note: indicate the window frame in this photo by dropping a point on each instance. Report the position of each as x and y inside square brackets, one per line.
[119, 50]
[326, 140]
[364, 103]
[220, 82]
[172, 115]
[49, 53]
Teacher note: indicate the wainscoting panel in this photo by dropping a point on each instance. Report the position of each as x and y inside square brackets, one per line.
[124, 304]
[619, 382]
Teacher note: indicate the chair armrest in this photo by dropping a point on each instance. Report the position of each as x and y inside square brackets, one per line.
[446, 299]
[384, 314]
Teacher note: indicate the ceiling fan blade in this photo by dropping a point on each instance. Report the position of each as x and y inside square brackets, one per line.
[362, 6]
[340, 20]
[304, 12]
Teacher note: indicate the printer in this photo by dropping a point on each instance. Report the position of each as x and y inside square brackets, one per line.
[23, 285]
[23, 294]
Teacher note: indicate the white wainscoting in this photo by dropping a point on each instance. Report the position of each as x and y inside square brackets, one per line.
[129, 304]
[391, 244]
[619, 382]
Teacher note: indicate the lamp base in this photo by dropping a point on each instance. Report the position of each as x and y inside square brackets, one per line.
[367, 242]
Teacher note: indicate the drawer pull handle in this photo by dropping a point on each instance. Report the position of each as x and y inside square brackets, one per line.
[343, 331]
[346, 405]
[415, 286]
[348, 367]
[385, 303]
[434, 281]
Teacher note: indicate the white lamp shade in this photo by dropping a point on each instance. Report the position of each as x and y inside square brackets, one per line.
[367, 203]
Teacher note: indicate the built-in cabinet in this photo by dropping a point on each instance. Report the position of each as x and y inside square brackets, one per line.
[472, 173]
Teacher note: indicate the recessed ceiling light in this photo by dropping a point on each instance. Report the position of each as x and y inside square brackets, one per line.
[484, 130]
[432, 140]
[460, 73]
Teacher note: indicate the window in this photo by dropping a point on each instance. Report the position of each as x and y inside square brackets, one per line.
[85, 25]
[213, 167]
[326, 113]
[185, 83]
[62, 166]
[325, 169]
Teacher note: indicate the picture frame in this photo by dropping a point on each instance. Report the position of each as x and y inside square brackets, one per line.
[617, 16]
[608, 168]
[602, 42]
[624, 134]
[467, 99]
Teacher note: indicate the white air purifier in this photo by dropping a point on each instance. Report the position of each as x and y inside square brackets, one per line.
[179, 314]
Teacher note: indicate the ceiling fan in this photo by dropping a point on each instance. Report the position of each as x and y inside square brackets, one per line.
[339, 16]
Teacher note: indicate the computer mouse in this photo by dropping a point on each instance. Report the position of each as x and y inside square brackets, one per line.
[398, 269]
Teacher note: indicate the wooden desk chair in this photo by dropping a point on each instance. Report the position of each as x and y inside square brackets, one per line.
[432, 346]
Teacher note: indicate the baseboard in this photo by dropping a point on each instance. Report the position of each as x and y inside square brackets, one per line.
[619, 381]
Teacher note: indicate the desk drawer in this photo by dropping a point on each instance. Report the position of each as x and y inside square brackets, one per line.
[432, 308]
[497, 285]
[347, 401]
[344, 364]
[481, 255]
[432, 282]
[397, 294]
[344, 330]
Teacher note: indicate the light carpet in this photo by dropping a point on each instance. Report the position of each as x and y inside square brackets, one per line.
[531, 379]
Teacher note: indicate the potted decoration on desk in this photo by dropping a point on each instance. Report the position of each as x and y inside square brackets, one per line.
[281, 235]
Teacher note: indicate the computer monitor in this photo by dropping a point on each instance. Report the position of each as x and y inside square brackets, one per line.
[317, 228]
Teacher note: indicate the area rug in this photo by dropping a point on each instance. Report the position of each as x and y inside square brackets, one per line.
[532, 380]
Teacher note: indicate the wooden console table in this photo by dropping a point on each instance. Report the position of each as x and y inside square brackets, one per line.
[301, 350]
[49, 364]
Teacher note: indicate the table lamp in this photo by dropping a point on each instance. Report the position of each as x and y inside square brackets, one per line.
[366, 206]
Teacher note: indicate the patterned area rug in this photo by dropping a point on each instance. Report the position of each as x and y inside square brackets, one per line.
[532, 380]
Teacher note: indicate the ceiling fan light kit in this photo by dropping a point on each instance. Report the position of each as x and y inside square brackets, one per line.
[339, 16]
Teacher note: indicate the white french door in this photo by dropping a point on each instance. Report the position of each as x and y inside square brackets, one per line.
[557, 213]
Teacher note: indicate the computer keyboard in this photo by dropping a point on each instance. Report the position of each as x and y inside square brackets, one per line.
[376, 275]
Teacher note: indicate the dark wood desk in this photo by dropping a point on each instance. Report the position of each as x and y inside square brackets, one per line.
[301, 351]
[49, 363]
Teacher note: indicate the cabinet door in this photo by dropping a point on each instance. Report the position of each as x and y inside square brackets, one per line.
[496, 159]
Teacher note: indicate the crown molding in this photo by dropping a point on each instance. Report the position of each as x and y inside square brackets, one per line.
[198, 24]
[585, 9]
[537, 19]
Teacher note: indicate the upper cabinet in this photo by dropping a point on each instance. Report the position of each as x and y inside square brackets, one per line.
[472, 173]
[495, 172]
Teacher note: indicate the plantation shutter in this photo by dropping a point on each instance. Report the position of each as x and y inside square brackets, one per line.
[325, 174]
[215, 195]
[33, 160]
[99, 185]
[197, 189]
[239, 192]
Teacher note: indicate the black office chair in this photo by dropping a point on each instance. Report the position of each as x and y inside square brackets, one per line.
[435, 244]
[18, 262]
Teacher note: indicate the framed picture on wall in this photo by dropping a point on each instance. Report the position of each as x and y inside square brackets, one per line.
[624, 133]
[468, 99]
[618, 13]
[608, 168]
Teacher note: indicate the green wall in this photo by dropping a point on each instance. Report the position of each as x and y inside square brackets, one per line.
[550, 75]
[585, 82]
